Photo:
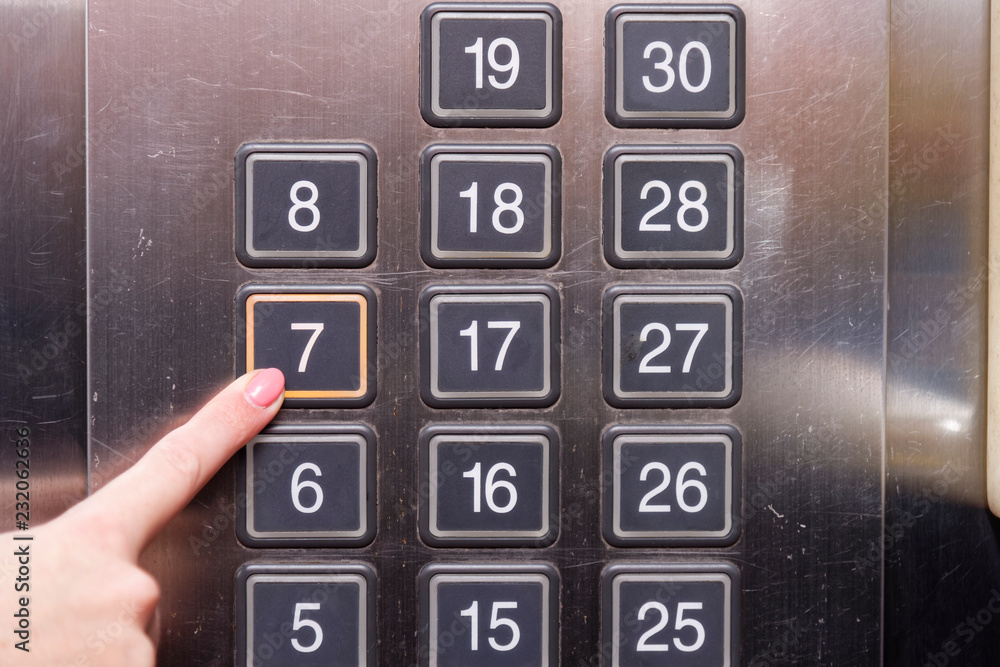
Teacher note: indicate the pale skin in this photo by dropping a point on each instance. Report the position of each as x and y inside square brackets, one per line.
[91, 605]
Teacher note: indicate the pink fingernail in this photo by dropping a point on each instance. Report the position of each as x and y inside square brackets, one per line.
[265, 388]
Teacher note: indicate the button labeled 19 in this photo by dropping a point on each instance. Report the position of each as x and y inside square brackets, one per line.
[491, 65]
[672, 347]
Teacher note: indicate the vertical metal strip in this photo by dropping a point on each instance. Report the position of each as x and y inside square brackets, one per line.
[43, 326]
[941, 551]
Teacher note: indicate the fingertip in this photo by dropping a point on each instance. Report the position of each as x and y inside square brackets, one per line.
[266, 388]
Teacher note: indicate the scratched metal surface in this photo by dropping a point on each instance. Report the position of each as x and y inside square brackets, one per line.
[175, 88]
[43, 310]
[942, 558]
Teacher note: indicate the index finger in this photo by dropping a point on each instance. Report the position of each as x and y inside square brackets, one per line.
[139, 502]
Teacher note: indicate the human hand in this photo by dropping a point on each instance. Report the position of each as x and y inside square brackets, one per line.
[89, 603]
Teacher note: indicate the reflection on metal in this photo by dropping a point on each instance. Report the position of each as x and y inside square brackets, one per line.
[43, 311]
[941, 557]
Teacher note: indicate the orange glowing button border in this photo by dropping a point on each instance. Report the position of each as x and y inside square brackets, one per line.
[251, 295]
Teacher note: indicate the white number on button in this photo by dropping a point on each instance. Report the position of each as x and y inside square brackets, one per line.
[512, 66]
[682, 486]
[688, 204]
[664, 66]
[298, 623]
[308, 205]
[316, 328]
[495, 622]
[646, 367]
[472, 333]
[491, 487]
[513, 206]
[679, 623]
[298, 486]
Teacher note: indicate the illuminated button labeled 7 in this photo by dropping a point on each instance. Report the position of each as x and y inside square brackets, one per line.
[324, 343]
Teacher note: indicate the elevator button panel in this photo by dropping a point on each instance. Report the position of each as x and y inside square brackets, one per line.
[675, 66]
[675, 206]
[489, 615]
[306, 615]
[491, 65]
[306, 205]
[321, 338]
[490, 206]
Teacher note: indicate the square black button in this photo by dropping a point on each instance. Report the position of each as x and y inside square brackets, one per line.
[671, 485]
[490, 206]
[306, 205]
[489, 485]
[491, 65]
[672, 615]
[308, 486]
[493, 615]
[305, 615]
[672, 346]
[673, 206]
[322, 339]
[675, 66]
[490, 346]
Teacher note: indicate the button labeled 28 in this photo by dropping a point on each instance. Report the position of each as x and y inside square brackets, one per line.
[673, 206]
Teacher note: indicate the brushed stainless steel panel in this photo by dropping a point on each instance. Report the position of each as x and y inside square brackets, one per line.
[43, 308]
[942, 557]
[176, 88]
